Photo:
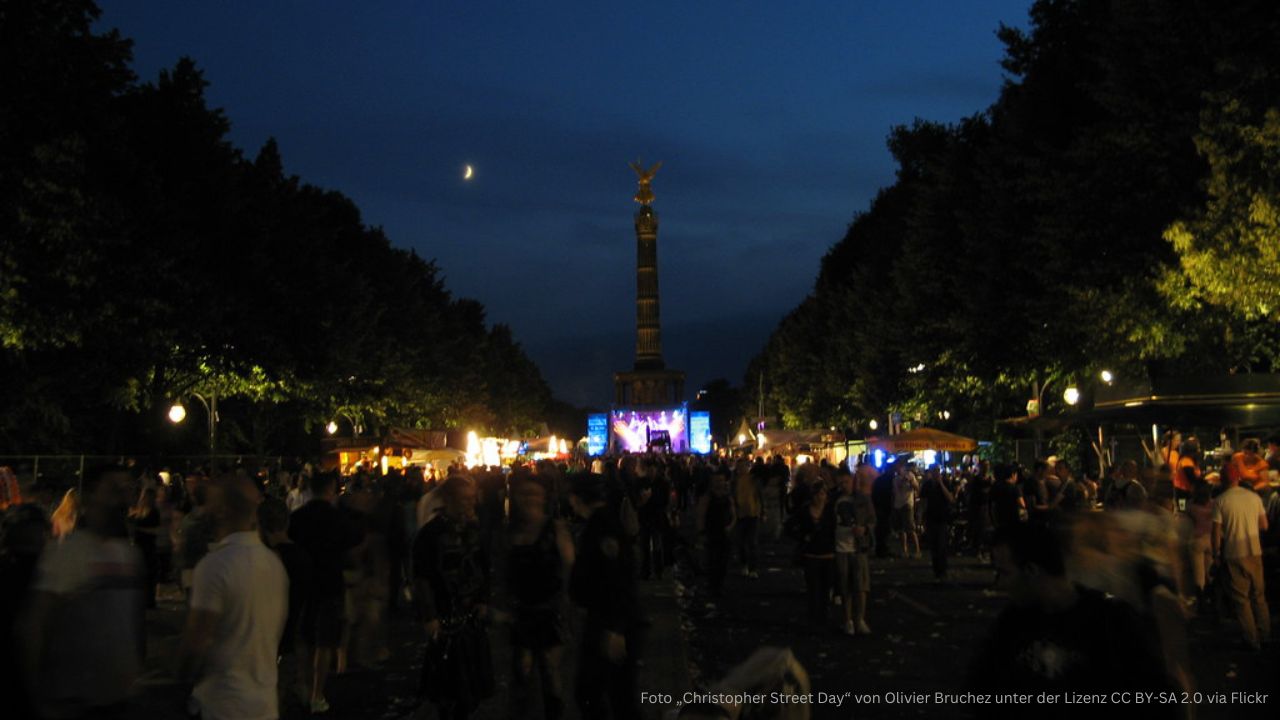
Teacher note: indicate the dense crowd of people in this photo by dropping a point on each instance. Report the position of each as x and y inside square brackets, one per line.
[291, 576]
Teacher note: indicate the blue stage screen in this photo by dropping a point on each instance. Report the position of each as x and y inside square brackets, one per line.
[597, 434]
[700, 432]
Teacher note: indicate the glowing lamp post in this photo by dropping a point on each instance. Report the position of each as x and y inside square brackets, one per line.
[178, 413]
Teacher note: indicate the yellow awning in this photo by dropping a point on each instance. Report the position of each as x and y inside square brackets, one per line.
[923, 439]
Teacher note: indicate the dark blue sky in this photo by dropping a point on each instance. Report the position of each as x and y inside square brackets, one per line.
[770, 118]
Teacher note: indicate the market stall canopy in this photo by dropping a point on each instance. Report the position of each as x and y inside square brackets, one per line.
[1244, 400]
[816, 436]
[416, 438]
[923, 439]
[543, 445]
[1044, 423]
[424, 456]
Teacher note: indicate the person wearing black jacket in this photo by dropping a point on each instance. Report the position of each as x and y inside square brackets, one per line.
[603, 583]
[814, 528]
[451, 590]
[273, 526]
[715, 520]
[940, 501]
[652, 506]
[882, 500]
[325, 533]
[978, 506]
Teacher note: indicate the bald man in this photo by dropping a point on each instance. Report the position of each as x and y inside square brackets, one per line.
[239, 603]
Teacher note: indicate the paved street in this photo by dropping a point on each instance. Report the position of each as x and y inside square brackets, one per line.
[389, 691]
[924, 636]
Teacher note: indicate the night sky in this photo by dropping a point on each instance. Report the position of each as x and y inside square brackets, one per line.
[770, 119]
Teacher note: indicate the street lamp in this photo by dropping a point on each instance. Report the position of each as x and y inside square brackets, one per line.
[1107, 377]
[178, 413]
[873, 424]
[356, 428]
[1071, 395]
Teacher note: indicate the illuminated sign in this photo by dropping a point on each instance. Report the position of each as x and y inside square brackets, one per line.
[597, 434]
[700, 432]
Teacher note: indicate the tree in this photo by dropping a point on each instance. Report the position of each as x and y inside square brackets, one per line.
[1229, 250]
[1027, 242]
[57, 82]
[144, 258]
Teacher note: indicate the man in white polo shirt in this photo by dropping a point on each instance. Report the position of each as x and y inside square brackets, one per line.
[239, 603]
[1239, 520]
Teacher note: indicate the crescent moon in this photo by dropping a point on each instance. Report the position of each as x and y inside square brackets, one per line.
[466, 175]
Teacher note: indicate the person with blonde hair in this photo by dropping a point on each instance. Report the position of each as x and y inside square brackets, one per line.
[66, 515]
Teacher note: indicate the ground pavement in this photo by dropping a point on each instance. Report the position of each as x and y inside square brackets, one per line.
[388, 691]
[923, 636]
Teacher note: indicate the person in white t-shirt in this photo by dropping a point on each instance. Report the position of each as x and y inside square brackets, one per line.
[1239, 519]
[299, 494]
[239, 604]
[83, 630]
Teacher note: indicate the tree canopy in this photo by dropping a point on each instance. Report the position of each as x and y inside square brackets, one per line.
[1114, 208]
[144, 258]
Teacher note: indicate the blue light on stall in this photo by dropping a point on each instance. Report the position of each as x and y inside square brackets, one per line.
[700, 432]
[597, 434]
[878, 458]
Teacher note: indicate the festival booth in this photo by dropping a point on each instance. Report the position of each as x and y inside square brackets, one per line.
[1130, 419]
[803, 446]
[1133, 418]
[440, 449]
[397, 448]
[547, 448]
[927, 445]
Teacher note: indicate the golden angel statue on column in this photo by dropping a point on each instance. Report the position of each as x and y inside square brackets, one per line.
[644, 195]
